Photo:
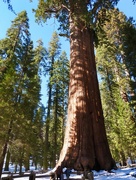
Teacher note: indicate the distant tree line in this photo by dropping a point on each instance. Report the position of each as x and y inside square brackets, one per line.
[30, 129]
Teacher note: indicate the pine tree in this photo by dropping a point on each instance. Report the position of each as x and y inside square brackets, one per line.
[20, 88]
[59, 82]
[53, 52]
[129, 41]
[82, 12]
[57, 69]
[115, 85]
[10, 77]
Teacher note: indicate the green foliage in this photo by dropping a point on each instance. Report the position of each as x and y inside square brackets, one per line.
[9, 5]
[58, 71]
[115, 85]
[20, 90]
[59, 81]
[19, 74]
[129, 47]
[62, 9]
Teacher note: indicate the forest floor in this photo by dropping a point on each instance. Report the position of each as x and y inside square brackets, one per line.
[128, 173]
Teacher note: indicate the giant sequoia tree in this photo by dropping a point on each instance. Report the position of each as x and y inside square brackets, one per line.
[85, 144]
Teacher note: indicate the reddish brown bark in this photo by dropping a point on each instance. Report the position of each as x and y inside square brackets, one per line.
[85, 144]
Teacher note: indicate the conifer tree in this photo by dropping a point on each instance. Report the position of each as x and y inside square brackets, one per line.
[80, 17]
[59, 82]
[57, 69]
[85, 144]
[129, 41]
[53, 52]
[20, 87]
[115, 85]
[10, 75]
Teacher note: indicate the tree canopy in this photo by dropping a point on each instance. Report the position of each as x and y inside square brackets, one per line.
[85, 147]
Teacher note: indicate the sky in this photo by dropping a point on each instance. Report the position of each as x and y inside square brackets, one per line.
[45, 30]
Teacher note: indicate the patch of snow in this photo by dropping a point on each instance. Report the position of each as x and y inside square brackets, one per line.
[119, 174]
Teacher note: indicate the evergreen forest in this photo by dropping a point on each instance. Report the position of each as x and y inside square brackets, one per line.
[30, 130]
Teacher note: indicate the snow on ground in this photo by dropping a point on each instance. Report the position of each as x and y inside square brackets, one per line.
[119, 174]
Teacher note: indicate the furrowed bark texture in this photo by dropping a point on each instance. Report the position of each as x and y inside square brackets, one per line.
[85, 144]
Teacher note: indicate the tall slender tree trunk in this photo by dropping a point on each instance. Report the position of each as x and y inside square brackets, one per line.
[6, 168]
[20, 166]
[85, 143]
[26, 164]
[46, 150]
[56, 125]
[3, 157]
[5, 147]
[123, 158]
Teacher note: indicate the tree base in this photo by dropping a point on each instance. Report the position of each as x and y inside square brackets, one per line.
[88, 175]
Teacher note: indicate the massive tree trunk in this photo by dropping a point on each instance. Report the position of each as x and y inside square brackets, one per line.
[85, 143]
